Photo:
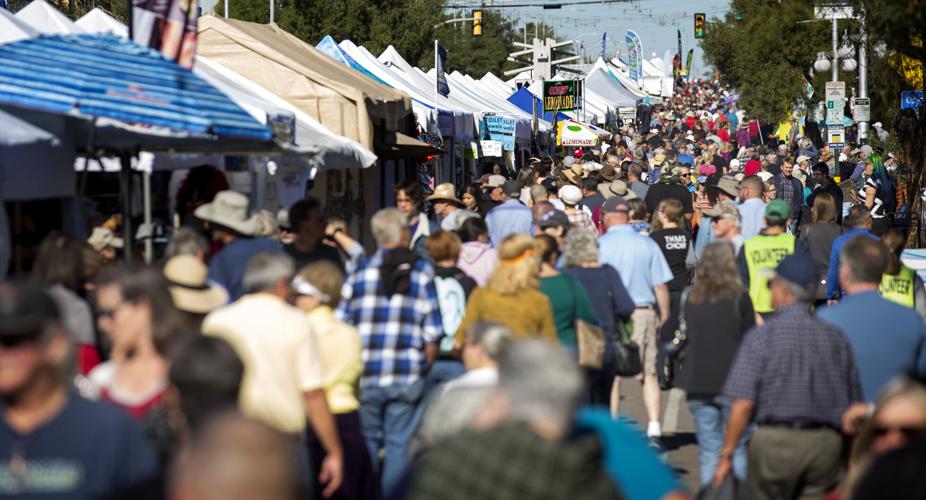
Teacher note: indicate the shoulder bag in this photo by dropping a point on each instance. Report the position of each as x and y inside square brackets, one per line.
[627, 362]
[590, 337]
[673, 352]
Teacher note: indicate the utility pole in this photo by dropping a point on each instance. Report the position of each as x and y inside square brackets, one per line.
[863, 72]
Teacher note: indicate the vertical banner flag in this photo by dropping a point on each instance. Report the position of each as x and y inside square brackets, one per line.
[688, 64]
[168, 26]
[604, 40]
[678, 67]
[440, 62]
[634, 56]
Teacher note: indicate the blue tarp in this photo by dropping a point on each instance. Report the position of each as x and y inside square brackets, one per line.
[109, 77]
[332, 50]
[522, 99]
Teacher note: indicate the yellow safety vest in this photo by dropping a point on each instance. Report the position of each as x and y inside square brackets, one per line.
[763, 253]
[899, 288]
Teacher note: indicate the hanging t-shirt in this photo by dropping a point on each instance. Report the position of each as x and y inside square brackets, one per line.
[674, 244]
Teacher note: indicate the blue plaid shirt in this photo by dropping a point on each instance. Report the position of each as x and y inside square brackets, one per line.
[393, 330]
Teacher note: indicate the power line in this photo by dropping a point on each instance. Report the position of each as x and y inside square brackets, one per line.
[545, 5]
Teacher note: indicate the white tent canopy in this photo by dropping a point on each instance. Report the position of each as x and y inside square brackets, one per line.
[40, 15]
[98, 21]
[13, 29]
[600, 81]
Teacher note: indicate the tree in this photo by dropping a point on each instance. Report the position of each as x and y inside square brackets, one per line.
[763, 50]
[899, 26]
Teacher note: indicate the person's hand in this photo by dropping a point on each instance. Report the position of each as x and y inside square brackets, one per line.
[663, 319]
[831, 302]
[853, 418]
[332, 474]
[724, 465]
[333, 226]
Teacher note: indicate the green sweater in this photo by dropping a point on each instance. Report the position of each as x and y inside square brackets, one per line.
[570, 302]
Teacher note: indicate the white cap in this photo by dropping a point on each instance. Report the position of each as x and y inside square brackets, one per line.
[877, 125]
[571, 195]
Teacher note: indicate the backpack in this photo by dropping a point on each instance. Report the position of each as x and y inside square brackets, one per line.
[452, 300]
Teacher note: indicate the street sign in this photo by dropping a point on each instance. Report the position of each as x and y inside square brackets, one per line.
[911, 99]
[561, 95]
[835, 102]
[861, 109]
[835, 90]
[835, 10]
[835, 136]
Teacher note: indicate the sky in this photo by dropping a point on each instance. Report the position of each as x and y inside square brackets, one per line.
[656, 21]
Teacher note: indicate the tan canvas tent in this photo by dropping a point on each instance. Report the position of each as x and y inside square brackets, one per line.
[345, 101]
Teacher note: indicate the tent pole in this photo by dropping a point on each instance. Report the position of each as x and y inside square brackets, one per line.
[149, 240]
[125, 179]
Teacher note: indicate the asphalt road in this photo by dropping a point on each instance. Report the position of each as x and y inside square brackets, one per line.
[677, 426]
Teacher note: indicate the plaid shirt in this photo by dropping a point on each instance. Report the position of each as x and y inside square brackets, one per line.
[580, 218]
[512, 462]
[393, 330]
[795, 368]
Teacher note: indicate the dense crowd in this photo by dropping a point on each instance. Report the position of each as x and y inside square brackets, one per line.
[479, 350]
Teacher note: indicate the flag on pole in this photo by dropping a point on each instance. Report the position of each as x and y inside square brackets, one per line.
[634, 56]
[604, 40]
[168, 26]
[688, 64]
[440, 62]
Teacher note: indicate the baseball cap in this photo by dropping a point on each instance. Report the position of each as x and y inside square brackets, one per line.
[570, 194]
[512, 188]
[724, 209]
[549, 184]
[802, 159]
[753, 167]
[24, 310]
[777, 211]
[799, 270]
[553, 218]
[615, 204]
[496, 180]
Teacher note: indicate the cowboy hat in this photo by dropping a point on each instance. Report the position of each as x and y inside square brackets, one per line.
[188, 286]
[229, 209]
[619, 188]
[574, 174]
[445, 192]
[102, 238]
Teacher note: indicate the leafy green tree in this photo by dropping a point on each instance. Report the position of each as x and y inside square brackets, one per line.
[764, 50]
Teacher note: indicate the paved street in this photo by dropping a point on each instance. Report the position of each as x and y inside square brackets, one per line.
[678, 429]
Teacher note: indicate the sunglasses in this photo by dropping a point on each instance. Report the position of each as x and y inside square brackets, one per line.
[909, 433]
[14, 341]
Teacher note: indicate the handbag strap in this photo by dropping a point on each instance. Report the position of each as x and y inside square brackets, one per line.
[682, 320]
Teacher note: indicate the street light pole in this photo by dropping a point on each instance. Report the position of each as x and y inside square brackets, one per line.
[863, 72]
[835, 50]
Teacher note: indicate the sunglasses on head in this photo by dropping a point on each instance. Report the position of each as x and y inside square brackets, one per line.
[19, 340]
[909, 433]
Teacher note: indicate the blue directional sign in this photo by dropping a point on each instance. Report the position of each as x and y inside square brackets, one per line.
[911, 99]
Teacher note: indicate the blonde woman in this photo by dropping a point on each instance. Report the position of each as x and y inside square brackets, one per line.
[512, 297]
[317, 290]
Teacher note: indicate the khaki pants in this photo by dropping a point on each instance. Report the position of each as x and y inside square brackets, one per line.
[644, 334]
[788, 463]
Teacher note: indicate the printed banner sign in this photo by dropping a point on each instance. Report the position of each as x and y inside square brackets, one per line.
[561, 95]
[634, 55]
[498, 128]
[168, 26]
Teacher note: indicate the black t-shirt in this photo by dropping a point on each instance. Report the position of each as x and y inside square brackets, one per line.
[321, 252]
[674, 244]
[661, 191]
[89, 450]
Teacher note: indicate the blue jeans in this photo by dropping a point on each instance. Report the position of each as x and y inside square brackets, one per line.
[710, 418]
[389, 417]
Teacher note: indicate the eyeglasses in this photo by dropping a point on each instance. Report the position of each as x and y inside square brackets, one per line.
[685, 175]
[106, 313]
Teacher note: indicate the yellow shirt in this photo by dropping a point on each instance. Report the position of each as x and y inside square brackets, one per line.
[340, 349]
[281, 358]
[527, 313]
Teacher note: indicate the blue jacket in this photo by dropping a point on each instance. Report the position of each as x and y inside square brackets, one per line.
[832, 275]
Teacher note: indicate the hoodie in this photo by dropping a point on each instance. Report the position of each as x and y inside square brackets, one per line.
[478, 260]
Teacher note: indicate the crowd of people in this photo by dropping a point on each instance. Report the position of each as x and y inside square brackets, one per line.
[478, 350]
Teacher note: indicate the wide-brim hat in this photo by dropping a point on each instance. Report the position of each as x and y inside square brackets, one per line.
[619, 188]
[729, 186]
[445, 192]
[189, 287]
[102, 237]
[574, 174]
[229, 209]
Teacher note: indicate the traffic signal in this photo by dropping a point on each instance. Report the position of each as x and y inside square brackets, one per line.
[699, 26]
[477, 23]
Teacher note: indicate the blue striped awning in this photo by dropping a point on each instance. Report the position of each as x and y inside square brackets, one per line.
[102, 76]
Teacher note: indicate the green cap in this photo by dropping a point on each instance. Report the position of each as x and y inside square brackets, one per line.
[777, 211]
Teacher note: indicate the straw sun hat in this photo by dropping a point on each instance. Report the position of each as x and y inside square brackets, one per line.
[189, 288]
[229, 209]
